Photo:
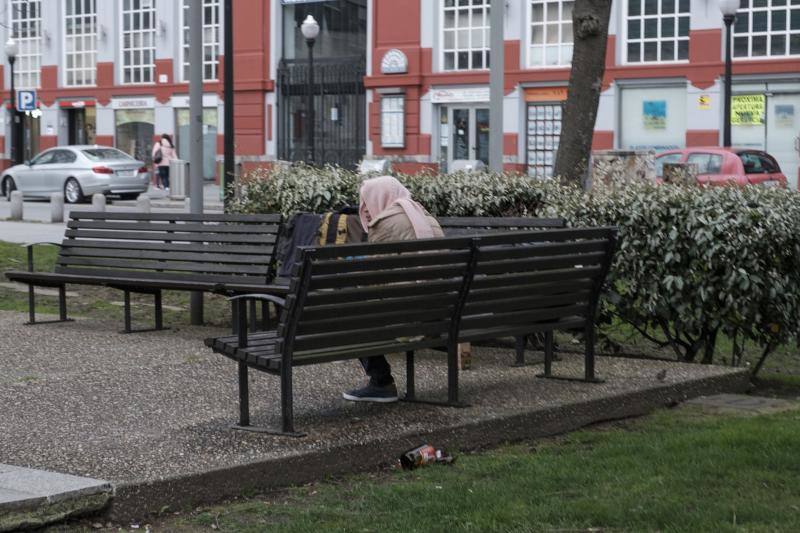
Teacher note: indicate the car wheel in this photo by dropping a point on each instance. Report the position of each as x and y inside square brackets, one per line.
[8, 187]
[73, 194]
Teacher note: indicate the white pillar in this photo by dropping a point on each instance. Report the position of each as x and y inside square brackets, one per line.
[16, 205]
[57, 207]
[98, 202]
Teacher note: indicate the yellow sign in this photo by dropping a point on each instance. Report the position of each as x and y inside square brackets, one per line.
[747, 109]
[704, 102]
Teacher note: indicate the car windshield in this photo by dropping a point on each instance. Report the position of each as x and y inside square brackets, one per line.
[668, 158]
[105, 154]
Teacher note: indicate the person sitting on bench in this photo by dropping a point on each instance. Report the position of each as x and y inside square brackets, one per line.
[388, 213]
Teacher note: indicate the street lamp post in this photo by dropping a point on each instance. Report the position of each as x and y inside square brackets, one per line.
[15, 146]
[310, 30]
[728, 8]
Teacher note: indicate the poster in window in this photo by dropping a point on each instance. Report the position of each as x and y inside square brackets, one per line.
[747, 109]
[784, 115]
[654, 114]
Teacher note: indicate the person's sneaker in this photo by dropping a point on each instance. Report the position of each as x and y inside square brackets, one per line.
[372, 393]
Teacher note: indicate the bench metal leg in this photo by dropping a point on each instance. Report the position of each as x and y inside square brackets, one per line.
[266, 322]
[253, 318]
[520, 348]
[410, 386]
[452, 373]
[244, 396]
[62, 307]
[589, 376]
[159, 313]
[287, 418]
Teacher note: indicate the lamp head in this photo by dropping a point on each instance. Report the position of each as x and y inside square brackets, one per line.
[310, 28]
[12, 48]
[729, 7]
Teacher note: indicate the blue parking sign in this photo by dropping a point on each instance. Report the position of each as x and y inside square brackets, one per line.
[26, 101]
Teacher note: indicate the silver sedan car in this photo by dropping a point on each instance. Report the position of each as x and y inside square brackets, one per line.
[78, 172]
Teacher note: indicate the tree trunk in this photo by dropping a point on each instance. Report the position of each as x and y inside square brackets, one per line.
[590, 28]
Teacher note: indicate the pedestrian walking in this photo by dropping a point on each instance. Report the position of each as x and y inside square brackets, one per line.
[163, 152]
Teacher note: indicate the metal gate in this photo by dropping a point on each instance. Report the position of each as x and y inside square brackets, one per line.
[339, 111]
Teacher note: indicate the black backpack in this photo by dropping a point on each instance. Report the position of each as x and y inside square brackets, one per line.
[158, 157]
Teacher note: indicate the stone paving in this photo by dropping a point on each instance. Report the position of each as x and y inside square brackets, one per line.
[151, 412]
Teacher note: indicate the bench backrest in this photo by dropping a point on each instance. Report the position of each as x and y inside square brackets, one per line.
[358, 298]
[457, 226]
[212, 248]
[353, 300]
[524, 278]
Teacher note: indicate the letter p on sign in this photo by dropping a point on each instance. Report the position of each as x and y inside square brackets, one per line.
[26, 101]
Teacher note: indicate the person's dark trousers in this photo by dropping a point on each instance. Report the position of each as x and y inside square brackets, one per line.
[163, 175]
[378, 370]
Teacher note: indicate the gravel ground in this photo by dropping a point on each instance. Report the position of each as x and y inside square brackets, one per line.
[81, 398]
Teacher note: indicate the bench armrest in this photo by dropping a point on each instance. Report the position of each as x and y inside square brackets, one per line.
[277, 300]
[29, 248]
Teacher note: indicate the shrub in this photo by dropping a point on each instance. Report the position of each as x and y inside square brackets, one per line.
[692, 263]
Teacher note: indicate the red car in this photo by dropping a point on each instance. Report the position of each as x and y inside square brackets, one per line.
[726, 166]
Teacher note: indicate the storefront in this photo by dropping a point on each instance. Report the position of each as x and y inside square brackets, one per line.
[81, 120]
[210, 124]
[764, 117]
[134, 126]
[653, 117]
[544, 111]
[463, 125]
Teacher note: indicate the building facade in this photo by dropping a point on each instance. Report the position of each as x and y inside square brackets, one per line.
[402, 79]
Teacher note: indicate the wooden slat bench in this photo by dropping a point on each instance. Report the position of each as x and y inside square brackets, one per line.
[464, 226]
[360, 300]
[150, 252]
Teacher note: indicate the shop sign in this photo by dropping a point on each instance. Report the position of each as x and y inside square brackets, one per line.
[133, 103]
[77, 104]
[704, 102]
[748, 109]
[209, 100]
[546, 94]
[460, 96]
[654, 114]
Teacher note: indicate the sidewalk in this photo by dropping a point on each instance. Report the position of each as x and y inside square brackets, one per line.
[36, 225]
[151, 412]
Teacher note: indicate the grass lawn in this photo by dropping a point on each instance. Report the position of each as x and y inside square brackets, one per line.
[677, 470]
[99, 302]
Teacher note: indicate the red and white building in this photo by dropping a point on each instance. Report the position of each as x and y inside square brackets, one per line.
[404, 79]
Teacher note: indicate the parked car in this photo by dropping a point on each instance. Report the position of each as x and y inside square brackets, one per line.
[78, 172]
[726, 166]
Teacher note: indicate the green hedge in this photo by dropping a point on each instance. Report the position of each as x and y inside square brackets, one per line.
[692, 263]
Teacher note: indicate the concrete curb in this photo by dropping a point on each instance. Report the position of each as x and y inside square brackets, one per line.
[136, 501]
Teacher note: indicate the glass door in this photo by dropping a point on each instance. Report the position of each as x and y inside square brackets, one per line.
[464, 134]
[782, 133]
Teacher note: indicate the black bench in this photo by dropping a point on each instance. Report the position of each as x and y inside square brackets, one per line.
[360, 300]
[150, 252]
[462, 226]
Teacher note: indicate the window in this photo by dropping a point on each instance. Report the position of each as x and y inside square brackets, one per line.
[657, 30]
[663, 160]
[392, 121]
[465, 34]
[210, 39]
[105, 154]
[64, 157]
[767, 28]
[758, 163]
[550, 33]
[138, 41]
[26, 29]
[44, 158]
[80, 40]
[706, 163]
